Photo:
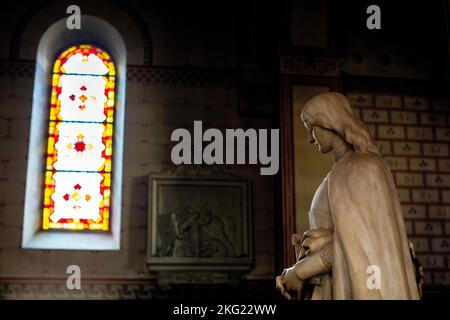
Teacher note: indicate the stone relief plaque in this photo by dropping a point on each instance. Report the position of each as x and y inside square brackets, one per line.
[199, 224]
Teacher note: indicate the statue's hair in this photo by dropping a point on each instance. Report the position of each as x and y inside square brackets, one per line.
[332, 111]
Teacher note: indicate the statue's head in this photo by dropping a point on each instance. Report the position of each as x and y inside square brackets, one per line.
[329, 116]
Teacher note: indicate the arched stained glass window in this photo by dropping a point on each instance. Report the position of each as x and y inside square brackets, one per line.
[80, 135]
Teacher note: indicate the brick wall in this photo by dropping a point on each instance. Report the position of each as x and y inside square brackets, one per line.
[158, 101]
[413, 134]
[178, 71]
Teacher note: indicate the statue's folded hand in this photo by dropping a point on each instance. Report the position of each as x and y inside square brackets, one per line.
[315, 233]
[316, 239]
[289, 284]
[292, 284]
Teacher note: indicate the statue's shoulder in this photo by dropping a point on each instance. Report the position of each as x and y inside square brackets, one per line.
[357, 164]
[364, 159]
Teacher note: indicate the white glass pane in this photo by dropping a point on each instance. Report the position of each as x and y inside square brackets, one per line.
[80, 146]
[77, 196]
[81, 64]
[82, 98]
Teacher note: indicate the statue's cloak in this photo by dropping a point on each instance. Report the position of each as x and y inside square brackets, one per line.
[369, 230]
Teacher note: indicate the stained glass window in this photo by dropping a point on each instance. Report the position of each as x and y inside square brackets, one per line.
[79, 150]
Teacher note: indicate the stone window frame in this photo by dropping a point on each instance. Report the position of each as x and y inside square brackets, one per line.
[94, 31]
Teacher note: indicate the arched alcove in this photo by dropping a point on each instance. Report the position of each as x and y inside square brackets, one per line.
[29, 29]
[57, 37]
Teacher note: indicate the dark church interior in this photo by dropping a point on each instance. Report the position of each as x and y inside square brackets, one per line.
[196, 230]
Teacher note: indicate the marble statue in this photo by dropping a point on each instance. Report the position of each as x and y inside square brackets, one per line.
[357, 246]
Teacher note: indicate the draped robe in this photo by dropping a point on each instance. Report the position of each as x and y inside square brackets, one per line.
[369, 230]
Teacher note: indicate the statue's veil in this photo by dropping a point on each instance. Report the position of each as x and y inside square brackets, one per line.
[332, 111]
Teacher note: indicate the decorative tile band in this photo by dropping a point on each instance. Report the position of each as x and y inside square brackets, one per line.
[325, 67]
[132, 291]
[139, 73]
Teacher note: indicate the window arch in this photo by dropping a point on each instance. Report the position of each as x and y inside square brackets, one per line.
[65, 129]
[79, 146]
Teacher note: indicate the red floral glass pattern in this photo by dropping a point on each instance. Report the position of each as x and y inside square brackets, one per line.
[79, 150]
